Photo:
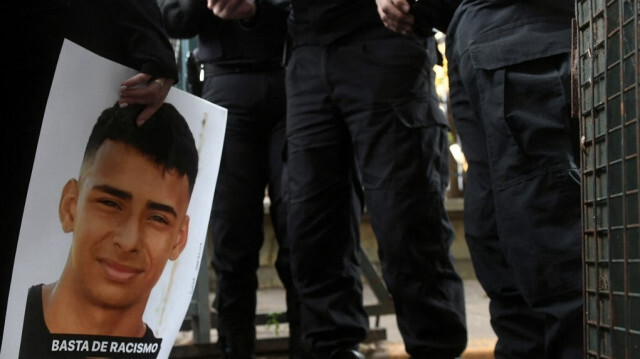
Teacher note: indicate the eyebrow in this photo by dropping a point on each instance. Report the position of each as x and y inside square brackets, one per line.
[162, 207]
[113, 191]
[116, 192]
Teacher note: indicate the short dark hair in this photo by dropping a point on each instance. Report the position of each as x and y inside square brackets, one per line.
[165, 137]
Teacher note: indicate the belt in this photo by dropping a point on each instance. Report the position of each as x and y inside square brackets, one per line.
[211, 69]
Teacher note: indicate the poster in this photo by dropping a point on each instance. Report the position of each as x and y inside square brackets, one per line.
[84, 85]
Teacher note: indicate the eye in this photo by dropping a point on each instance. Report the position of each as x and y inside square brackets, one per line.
[109, 203]
[158, 218]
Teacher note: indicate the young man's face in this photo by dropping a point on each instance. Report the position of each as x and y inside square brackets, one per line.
[128, 217]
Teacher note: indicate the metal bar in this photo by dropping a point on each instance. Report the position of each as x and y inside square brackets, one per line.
[200, 323]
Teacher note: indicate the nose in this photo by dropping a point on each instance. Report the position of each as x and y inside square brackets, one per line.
[127, 236]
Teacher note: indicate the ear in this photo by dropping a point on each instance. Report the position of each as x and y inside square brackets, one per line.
[68, 205]
[181, 241]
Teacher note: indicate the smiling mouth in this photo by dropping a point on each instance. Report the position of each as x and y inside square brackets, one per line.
[119, 272]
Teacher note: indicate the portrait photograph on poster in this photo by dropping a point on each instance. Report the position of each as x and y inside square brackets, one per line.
[114, 227]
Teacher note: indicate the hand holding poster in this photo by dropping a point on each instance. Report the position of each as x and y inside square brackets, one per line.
[111, 239]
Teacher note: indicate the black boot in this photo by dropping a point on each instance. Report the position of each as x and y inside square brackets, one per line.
[237, 346]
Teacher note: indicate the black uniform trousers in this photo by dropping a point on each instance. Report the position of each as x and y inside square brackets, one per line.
[372, 100]
[511, 106]
[251, 160]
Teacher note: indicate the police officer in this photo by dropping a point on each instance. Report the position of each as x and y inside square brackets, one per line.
[511, 104]
[358, 90]
[509, 71]
[242, 60]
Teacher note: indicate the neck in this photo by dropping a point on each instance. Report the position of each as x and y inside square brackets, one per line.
[67, 311]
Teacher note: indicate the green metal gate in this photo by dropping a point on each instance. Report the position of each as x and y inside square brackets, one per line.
[607, 92]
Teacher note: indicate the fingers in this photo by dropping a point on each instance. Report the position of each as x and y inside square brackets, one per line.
[232, 9]
[396, 16]
[136, 80]
[403, 5]
[151, 93]
[146, 114]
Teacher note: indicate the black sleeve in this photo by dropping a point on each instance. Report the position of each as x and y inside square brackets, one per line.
[183, 18]
[432, 14]
[146, 42]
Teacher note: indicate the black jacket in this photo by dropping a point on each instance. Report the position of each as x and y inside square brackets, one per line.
[432, 14]
[127, 32]
[260, 39]
[322, 22]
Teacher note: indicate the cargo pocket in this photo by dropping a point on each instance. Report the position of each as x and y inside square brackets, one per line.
[525, 98]
[520, 42]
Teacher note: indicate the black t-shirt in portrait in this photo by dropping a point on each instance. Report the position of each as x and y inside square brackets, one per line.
[38, 343]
